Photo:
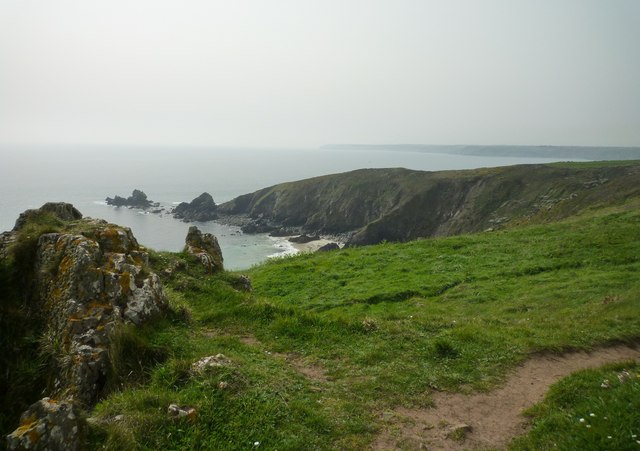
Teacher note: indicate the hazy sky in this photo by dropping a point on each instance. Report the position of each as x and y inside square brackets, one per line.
[305, 73]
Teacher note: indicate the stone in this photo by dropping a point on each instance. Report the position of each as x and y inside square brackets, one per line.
[206, 248]
[177, 412]
[212, 361]
[243, 283]
[48, 425]
[458, 431]
[200, 209]
[329, 247]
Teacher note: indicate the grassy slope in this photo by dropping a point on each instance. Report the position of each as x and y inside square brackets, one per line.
[579, 413]
[389, 323]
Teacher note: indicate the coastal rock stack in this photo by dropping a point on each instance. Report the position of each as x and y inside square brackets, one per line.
[200, 209]
[206, 248]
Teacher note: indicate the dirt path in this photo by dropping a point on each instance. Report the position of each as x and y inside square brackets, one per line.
[489, 420]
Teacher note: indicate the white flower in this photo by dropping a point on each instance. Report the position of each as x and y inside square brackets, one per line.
[608, 436]
[256, 443]
[581, 420]
[588, 425]
[592, 414]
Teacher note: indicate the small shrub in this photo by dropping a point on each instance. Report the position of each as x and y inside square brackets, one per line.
[444, 349]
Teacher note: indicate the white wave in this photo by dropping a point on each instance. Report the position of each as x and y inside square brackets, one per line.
[100, 202]
[285, 248]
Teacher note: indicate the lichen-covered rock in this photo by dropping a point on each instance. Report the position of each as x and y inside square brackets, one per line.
[206, 248]
[88, 284]
[202, 208]
[47, 425]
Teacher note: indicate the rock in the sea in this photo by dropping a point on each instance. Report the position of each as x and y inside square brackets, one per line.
[61, 210]
[206, 248]
[138, 199]
[48, 425]
[303, 239]
[329, 247]
[201, 209]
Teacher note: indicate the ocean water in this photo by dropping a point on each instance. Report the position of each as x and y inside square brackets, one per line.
[85, 176]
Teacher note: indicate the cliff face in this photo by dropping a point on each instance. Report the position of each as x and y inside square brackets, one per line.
[86, 280]
[374, 205]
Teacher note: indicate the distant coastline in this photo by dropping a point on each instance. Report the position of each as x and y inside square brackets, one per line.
[570, 152]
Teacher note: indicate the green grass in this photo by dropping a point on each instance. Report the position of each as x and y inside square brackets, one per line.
[387, 323]
[579, 413]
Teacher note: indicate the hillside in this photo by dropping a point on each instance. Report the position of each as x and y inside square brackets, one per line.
[375, 205]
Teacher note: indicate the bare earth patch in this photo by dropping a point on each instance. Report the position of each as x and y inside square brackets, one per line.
[489, 420]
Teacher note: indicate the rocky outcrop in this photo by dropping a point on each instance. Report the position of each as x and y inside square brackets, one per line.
[87, 280]
[206, 248]
[200, 209]
[61, 210]
[138, 199]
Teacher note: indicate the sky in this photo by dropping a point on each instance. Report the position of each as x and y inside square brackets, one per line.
[298, 73]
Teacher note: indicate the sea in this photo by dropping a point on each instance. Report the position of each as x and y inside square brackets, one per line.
[85, 175]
